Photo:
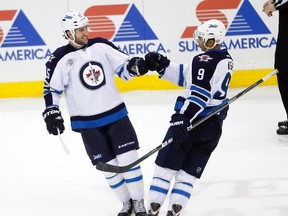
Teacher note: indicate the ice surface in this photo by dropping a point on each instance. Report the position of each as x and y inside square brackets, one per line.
[247, 174]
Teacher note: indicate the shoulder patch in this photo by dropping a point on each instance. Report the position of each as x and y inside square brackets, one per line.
[51, 58]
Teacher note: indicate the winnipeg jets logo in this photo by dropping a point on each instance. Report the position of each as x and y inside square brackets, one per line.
[205, 58]
[92, 75]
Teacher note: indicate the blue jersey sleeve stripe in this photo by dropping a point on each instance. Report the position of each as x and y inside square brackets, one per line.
[46, 91]
[181, 75]
[120, 72]
[51, 106]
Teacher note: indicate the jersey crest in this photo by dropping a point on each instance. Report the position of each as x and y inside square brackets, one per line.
[205, 58]
[92, 75]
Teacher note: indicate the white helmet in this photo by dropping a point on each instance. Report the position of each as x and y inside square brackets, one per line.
[73, 20]
[211, 29]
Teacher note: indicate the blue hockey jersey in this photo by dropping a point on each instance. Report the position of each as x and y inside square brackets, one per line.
[206, 80]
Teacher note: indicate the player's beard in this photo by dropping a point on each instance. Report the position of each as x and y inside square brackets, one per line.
[82, 41]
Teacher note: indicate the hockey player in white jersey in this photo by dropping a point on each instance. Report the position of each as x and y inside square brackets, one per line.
[84, 70]
[206, 80]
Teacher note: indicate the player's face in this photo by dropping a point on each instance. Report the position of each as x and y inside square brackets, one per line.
[209, 44]
[81, 35]
[201, 44]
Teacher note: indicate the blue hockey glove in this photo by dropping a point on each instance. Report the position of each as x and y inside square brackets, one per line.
[178, 128]
[137, 66]
[53, 120]
[156, 61]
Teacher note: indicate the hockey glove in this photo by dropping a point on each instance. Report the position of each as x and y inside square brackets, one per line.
[156, 61]
[178, 128]
[137, 66]
[53, 120]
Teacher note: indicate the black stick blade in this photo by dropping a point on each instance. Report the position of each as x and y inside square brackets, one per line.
[121, 169]
[111, 168]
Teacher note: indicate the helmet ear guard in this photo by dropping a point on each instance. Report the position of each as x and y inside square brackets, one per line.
[66, 35]
[211, 29]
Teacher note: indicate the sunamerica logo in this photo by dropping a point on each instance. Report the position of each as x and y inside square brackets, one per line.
[18, 36]
[246, 25]
[130, 36]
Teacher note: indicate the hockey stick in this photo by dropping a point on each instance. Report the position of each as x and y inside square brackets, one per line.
[63, 143]
[120, 169]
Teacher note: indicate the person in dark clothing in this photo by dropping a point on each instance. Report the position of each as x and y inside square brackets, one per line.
[281, 62]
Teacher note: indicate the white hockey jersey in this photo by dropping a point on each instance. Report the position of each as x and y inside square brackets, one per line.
[86, 76]
[206, 80]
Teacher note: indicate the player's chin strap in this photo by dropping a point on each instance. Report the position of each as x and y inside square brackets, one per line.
[74, 42]
[121, 169]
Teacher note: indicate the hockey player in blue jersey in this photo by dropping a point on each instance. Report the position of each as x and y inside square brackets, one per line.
[206, 80]
[84, 70]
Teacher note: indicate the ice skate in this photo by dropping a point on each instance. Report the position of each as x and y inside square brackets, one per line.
[154, 209]
[283, 130]
[175, 210]
[139, 208]
[126, 209]
[169, 213]
[283, 123]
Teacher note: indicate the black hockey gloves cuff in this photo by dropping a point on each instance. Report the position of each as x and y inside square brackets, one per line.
[178, 128]
[53, 120]
[137, 66]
